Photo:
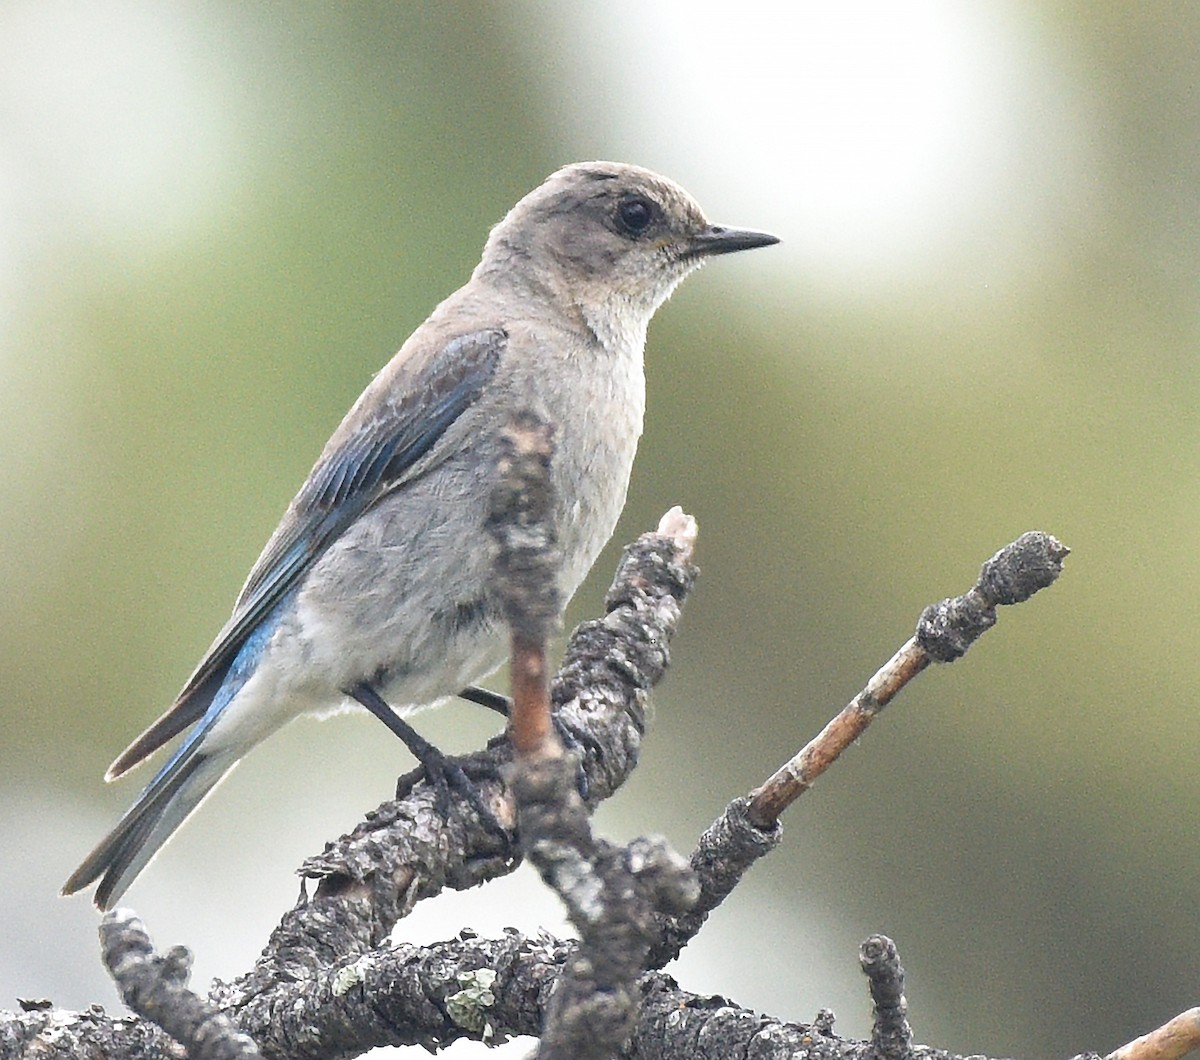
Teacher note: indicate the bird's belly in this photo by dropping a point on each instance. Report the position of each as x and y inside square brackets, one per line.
[410, 658]
[402, 599]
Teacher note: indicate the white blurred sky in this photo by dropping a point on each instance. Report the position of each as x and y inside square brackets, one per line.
[875, 136]
[878, 138]
[116, 120]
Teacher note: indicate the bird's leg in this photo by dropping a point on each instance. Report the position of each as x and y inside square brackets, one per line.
[442, 772]
[485, 697]
[572, 740]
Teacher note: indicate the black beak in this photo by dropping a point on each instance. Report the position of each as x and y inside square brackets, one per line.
[716, 239]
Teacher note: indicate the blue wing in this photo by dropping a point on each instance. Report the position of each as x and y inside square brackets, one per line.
[381, 448]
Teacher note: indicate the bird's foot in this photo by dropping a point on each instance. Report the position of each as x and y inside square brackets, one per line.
[578, 742]
[448, 776]
[443, 773]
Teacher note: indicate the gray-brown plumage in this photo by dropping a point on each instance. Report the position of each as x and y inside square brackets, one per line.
[375, 584]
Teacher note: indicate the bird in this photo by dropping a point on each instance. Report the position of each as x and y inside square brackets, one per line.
[374, 588]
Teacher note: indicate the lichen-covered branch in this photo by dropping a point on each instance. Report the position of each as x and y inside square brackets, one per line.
[155, 987]
[890, 1033]
[404, 851]
[612, 893]
[330, 983]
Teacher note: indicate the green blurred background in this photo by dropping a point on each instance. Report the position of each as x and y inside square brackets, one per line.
[217, 220]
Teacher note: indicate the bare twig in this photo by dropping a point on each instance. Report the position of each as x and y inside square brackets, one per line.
[944, 633]
[611, 893]
[749, 826]
[520, 520]
[890, 1033]
[1174, 1039]
[155, 987]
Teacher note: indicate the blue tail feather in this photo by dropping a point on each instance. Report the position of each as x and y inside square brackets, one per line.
[176, 790]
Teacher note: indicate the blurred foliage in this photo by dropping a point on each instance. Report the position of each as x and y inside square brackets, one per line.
[1020, 822]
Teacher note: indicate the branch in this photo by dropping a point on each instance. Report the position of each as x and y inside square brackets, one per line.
[329, 983]
[749, 827]
[891, 1035]
[404, 852]
[1174, 1039]
[487, 990]
[944, 633]
[40, 1030]
[155, 987]
[612, 893]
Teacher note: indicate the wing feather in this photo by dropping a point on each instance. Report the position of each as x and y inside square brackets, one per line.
[386, 445]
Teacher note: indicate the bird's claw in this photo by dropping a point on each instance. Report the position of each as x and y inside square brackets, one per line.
[447, 776]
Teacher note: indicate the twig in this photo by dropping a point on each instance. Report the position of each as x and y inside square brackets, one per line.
[1174, 1039]
[749, 827]
[520, 520]
[890, 1033]
[612, 893]
[944, 633]
[155, 987]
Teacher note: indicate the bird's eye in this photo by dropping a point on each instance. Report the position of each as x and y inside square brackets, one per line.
[635, 215]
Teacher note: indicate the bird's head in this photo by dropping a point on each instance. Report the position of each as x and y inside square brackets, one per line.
[611, 239]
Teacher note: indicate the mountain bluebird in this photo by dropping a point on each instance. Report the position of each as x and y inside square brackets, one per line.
[375, 586]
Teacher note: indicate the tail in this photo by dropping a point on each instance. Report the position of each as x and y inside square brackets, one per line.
[227, 726]
[166, 803]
